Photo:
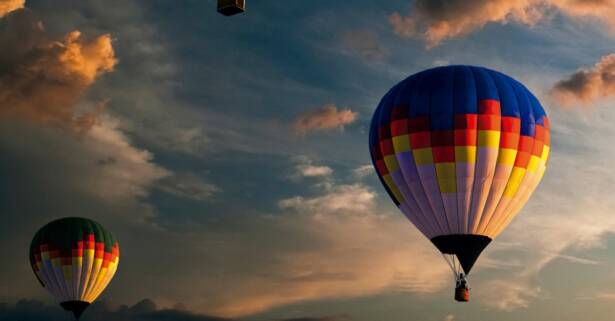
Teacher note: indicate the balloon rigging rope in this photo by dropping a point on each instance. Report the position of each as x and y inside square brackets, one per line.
[451, 264]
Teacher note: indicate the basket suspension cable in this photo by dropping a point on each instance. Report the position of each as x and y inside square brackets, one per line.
[451, 264]
[454, 263]
[456, 271]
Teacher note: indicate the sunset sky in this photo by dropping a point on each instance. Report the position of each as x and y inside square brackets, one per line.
[229, 155]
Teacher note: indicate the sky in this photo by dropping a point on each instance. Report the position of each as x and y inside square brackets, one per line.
[229, 156]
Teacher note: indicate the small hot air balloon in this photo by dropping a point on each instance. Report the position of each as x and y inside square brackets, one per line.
[74, 258]
[460, 149]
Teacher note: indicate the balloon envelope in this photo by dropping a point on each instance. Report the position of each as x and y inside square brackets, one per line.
[460, 149]
[74, 259]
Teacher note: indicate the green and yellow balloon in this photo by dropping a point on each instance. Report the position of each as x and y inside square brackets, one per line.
[74, 258]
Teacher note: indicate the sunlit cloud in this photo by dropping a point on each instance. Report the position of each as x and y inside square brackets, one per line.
[7, 6]
[44, 79]
[326, 118]
[588, 85]
[436, 21]
[337, 244]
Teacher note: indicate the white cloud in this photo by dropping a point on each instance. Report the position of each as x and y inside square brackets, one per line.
[341, 198]
[311, 170]
[121, 169]
[363, 171]
[305, 168]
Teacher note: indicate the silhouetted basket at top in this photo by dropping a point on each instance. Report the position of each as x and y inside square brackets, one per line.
[231, 7]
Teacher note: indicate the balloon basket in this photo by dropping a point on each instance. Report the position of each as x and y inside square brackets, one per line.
[462, 294]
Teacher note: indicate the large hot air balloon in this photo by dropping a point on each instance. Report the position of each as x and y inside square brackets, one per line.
[460, 149]
[74, 258]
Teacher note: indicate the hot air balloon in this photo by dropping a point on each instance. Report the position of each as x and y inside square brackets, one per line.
[74, 258]
[460, 149]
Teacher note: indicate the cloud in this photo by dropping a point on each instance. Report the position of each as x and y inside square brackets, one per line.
[598, 295]
[311, 170]
[144, 310]
[305, 168]
[363, 43]
[363, 171]
[587, 86]
[43, 79]
[343, 197]
[6, 6]
[338, 244]
[335, 244]
[102, 162]
[121, 169]
[514, 293]
[325, 118]
[435, 21]
[187, 185]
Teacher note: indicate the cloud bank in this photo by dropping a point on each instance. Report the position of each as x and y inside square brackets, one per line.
[337, 244]
[435, 21]
[144, 310]
[32, 310]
